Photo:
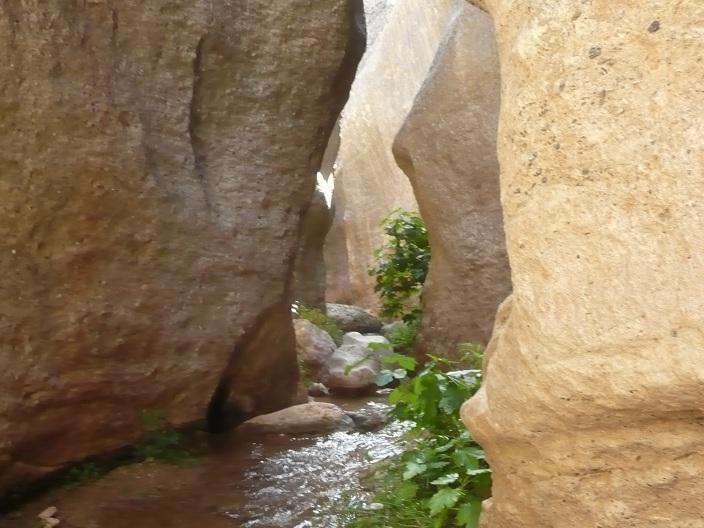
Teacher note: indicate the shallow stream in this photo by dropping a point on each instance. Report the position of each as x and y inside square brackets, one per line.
[271, 481]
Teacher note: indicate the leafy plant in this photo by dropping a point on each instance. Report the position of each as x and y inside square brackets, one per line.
[321, 320]
[83, 473]
[404, 336]
[442, 476]
[401, 264]
[161, 441]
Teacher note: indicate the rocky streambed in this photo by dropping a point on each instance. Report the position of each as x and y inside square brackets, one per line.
[243, 480]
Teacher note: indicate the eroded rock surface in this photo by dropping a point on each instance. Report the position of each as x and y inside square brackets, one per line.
[591, 412]
[369, 185]
[155, 158]
[447, 147]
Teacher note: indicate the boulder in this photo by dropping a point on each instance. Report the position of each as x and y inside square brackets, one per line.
[447, 148]
[353, 318]
[591, 410]
[313, 345]
[152, 190]
[318, 389]
[308, 418]
[391, 327]
[368, 183]
[362, 362]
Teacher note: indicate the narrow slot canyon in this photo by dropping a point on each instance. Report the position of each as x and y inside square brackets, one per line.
[352, 264]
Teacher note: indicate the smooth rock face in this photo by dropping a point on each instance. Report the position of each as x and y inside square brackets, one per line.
[155, 159]
[355, 353]
[313, 345]
[447, 147]
[591, 412]
[353, 318]
[308, 418]
[369, 185]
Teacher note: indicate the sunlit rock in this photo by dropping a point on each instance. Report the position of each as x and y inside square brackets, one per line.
[591, 411]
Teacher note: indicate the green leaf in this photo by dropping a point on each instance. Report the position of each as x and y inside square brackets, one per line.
[379, 346]
[405, 362]
[413, 469]
[399, 373]
[468, 514]
[408, 490]
[447, 479]
[444, 499]
[474, 472]
[384, 378]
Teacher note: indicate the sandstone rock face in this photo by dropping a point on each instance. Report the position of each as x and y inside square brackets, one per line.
[368, 184]
[363, 363]
[308, 418]
[309, 271]
[155, 158]
[447, 147]
[313, 345]
[591, 412]
[353, 318]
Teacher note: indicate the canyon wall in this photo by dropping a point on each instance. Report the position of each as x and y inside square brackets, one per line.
[591, 411]
[368, 183]
[156, 158]
[447, 148]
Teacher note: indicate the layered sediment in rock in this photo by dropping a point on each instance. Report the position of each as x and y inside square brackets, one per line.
[591, 412]
[156, 158]
[368, 184]
[447, 148]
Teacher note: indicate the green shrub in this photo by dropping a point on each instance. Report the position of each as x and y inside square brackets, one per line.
[442, 476]
[321, 320]
[161, 441]
[403, 338]
[83, 473]
[401, 264]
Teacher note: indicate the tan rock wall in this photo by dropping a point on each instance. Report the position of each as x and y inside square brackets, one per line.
[447, 147]
[155, 160]
[591, 412]
[368, 183]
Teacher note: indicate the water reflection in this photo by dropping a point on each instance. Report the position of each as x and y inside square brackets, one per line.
[295, 487]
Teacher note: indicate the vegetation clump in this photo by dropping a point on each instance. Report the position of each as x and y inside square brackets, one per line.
[401, 264]
[161, 441]
[442, 476]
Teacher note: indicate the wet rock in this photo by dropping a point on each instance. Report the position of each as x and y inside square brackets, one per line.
[368, 183]
[370, 420]
[308, 418]
[152, 194]
[354, 365]
[447, 147]
[47, 518]
[591, 409]
[318, 389]
[353, 318]
[313, 344]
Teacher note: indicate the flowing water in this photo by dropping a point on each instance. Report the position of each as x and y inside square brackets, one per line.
[272, 481]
